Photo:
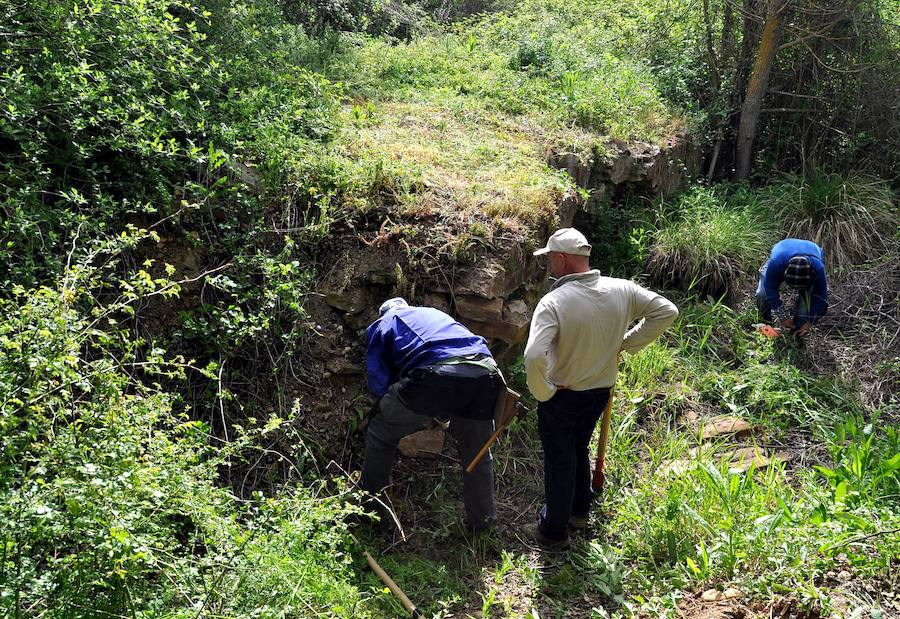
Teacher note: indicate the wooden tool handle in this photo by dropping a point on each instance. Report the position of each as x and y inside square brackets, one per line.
[397, 591]
[599, 477]
[484, 449]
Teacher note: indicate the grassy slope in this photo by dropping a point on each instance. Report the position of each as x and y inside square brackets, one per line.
[465, 118]
[454, 157]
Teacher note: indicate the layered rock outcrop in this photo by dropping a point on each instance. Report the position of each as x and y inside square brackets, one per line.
[494, 294]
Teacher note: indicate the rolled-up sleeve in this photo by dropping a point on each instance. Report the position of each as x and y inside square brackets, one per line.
[544, 327]
[654, 312]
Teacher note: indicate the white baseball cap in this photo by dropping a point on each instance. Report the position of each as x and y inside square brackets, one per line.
[566, 241]
[391, 304]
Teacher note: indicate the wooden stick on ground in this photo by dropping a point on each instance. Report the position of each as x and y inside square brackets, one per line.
[397, 591]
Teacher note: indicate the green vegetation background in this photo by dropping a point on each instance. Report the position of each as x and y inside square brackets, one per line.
[126, 123]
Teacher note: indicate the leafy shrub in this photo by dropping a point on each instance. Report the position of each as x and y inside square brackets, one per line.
[852, 217]
[708, 242]
[108, 497]
[127, 107]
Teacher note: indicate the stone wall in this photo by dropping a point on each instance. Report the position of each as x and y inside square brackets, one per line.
[495, 294]
[647, 169]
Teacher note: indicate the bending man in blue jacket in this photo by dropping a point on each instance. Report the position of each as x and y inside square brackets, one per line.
[800, 265]
[424, 365]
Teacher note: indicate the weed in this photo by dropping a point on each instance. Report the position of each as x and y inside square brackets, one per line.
[867, 462]
[471, 43]
[853, 217]
[707, 244]
[568, 82]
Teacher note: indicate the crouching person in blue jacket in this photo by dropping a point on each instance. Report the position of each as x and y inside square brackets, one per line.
[800, 265]
[423, 365]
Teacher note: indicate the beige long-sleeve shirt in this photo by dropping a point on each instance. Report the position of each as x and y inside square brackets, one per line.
[579, 327]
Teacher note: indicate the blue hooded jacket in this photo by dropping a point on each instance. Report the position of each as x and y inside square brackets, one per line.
[782, 252]
[409, 337]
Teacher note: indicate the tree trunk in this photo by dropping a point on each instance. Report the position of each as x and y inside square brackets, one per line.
[710, 53]
[726, 43]
[756, 89]
[726, 59]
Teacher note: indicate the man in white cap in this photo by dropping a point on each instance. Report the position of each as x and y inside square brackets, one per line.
[577, 331]
[423, 365]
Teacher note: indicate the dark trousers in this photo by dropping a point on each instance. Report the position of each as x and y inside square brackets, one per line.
[565, 423]
[465, 395]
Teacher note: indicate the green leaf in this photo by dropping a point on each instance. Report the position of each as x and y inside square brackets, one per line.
[893, 464]
[840, 493]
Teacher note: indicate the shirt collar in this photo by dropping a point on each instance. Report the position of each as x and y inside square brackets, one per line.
[575, 277]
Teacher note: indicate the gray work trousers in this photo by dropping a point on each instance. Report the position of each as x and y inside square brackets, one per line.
[395, 420]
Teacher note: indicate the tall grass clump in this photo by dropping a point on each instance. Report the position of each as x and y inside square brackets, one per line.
[853, 217]
[707, 243]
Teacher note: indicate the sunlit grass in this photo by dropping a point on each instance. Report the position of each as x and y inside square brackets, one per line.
[557, 67]
[853, 217]
[463, 160]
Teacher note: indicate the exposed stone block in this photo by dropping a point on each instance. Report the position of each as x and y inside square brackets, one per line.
[476, 308]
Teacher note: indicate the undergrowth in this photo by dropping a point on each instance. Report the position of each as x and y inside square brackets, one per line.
[110, 501]
[708, 240]
[769, 530]
[521, 63]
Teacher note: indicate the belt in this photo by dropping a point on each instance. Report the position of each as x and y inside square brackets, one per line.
[480, 359]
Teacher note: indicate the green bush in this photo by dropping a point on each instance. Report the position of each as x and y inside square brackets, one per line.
[109, 501]
[131, 108]
[709, 241]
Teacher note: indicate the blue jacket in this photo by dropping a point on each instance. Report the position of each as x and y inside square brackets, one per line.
[411, 337]
[782, 252]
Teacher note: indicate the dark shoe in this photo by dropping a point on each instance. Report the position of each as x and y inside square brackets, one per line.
[482, 527]
[578, 523]
[534, 532]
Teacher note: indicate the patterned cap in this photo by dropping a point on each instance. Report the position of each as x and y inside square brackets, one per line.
[798, 273]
